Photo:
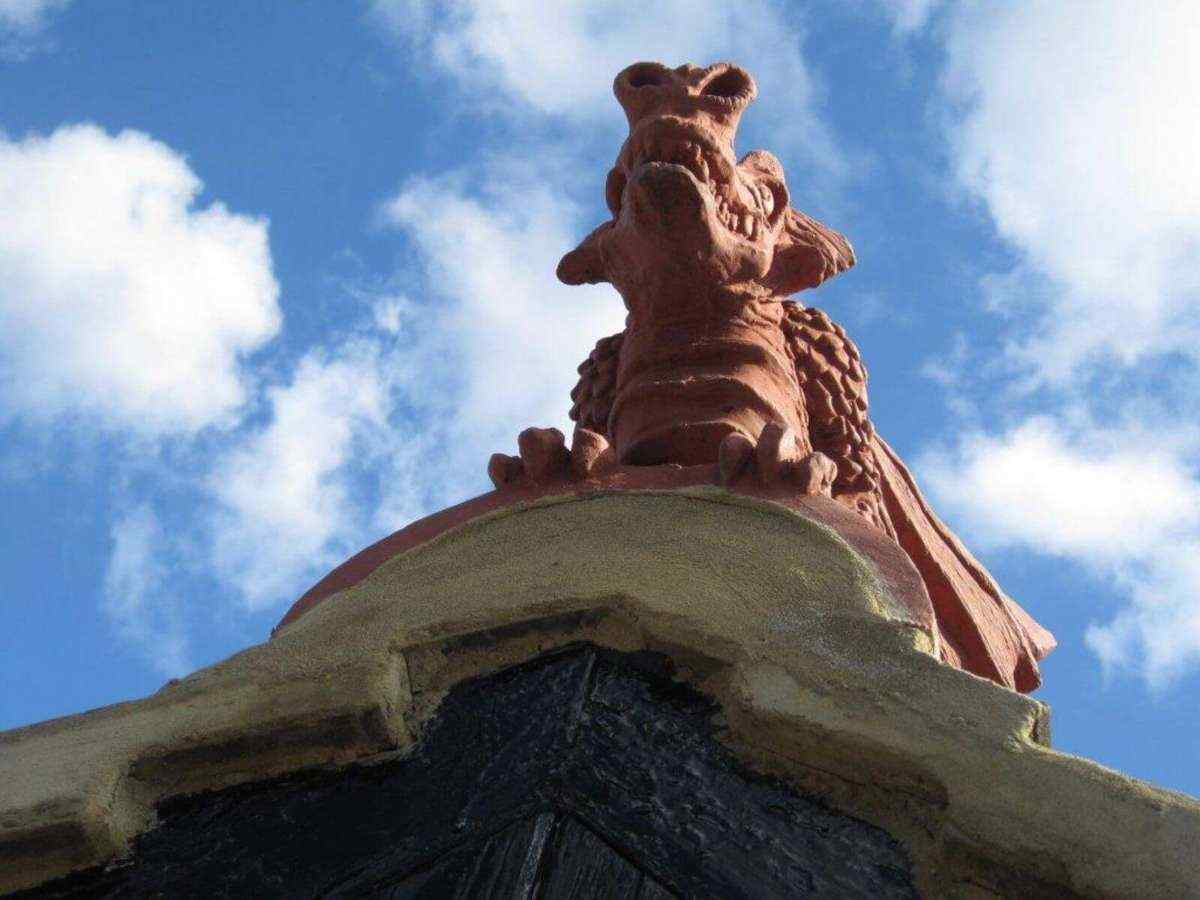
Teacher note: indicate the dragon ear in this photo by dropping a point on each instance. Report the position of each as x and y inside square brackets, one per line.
[806, 254]
[585, 264]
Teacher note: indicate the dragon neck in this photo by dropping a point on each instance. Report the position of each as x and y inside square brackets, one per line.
[697, 368]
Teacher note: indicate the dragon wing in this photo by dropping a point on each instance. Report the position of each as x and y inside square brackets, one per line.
[982, 629]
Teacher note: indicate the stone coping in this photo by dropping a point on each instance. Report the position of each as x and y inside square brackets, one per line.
[905, 582]
[822, 676]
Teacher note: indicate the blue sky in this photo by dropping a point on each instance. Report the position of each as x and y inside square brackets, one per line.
[276, 278]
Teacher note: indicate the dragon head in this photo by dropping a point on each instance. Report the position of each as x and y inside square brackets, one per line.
[684, 209]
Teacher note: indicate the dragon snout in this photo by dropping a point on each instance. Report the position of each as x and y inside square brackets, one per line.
[666, 196]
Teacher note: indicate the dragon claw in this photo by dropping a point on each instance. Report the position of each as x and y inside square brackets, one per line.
[504, 469]
[734, 456]
[776, 454]
[544, 458]
[544, 454]
[815, 474]
[590, 453]
[779, 457]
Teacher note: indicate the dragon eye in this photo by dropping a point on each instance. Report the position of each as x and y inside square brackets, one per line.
[730, 84]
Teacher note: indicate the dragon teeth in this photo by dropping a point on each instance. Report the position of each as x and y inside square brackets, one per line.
[768, 201]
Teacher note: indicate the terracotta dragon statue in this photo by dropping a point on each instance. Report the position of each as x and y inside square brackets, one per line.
[717, 365]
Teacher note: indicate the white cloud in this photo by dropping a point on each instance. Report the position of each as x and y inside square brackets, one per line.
[1120, 501]
[27, 16]
[120, 300]
[1075, 125]
[1158, 634]
[505, 336]
[284, 493]
[1105, 496]
[400, 418]
[138, 593]
[909, 16]
[1079, 131]
[559, 59]
[126, 306]
[272, 506]
[562, 59]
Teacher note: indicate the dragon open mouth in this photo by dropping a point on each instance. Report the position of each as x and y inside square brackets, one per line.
[745, 208]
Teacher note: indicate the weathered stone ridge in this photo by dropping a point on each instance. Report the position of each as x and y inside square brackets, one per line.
[820, 679]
